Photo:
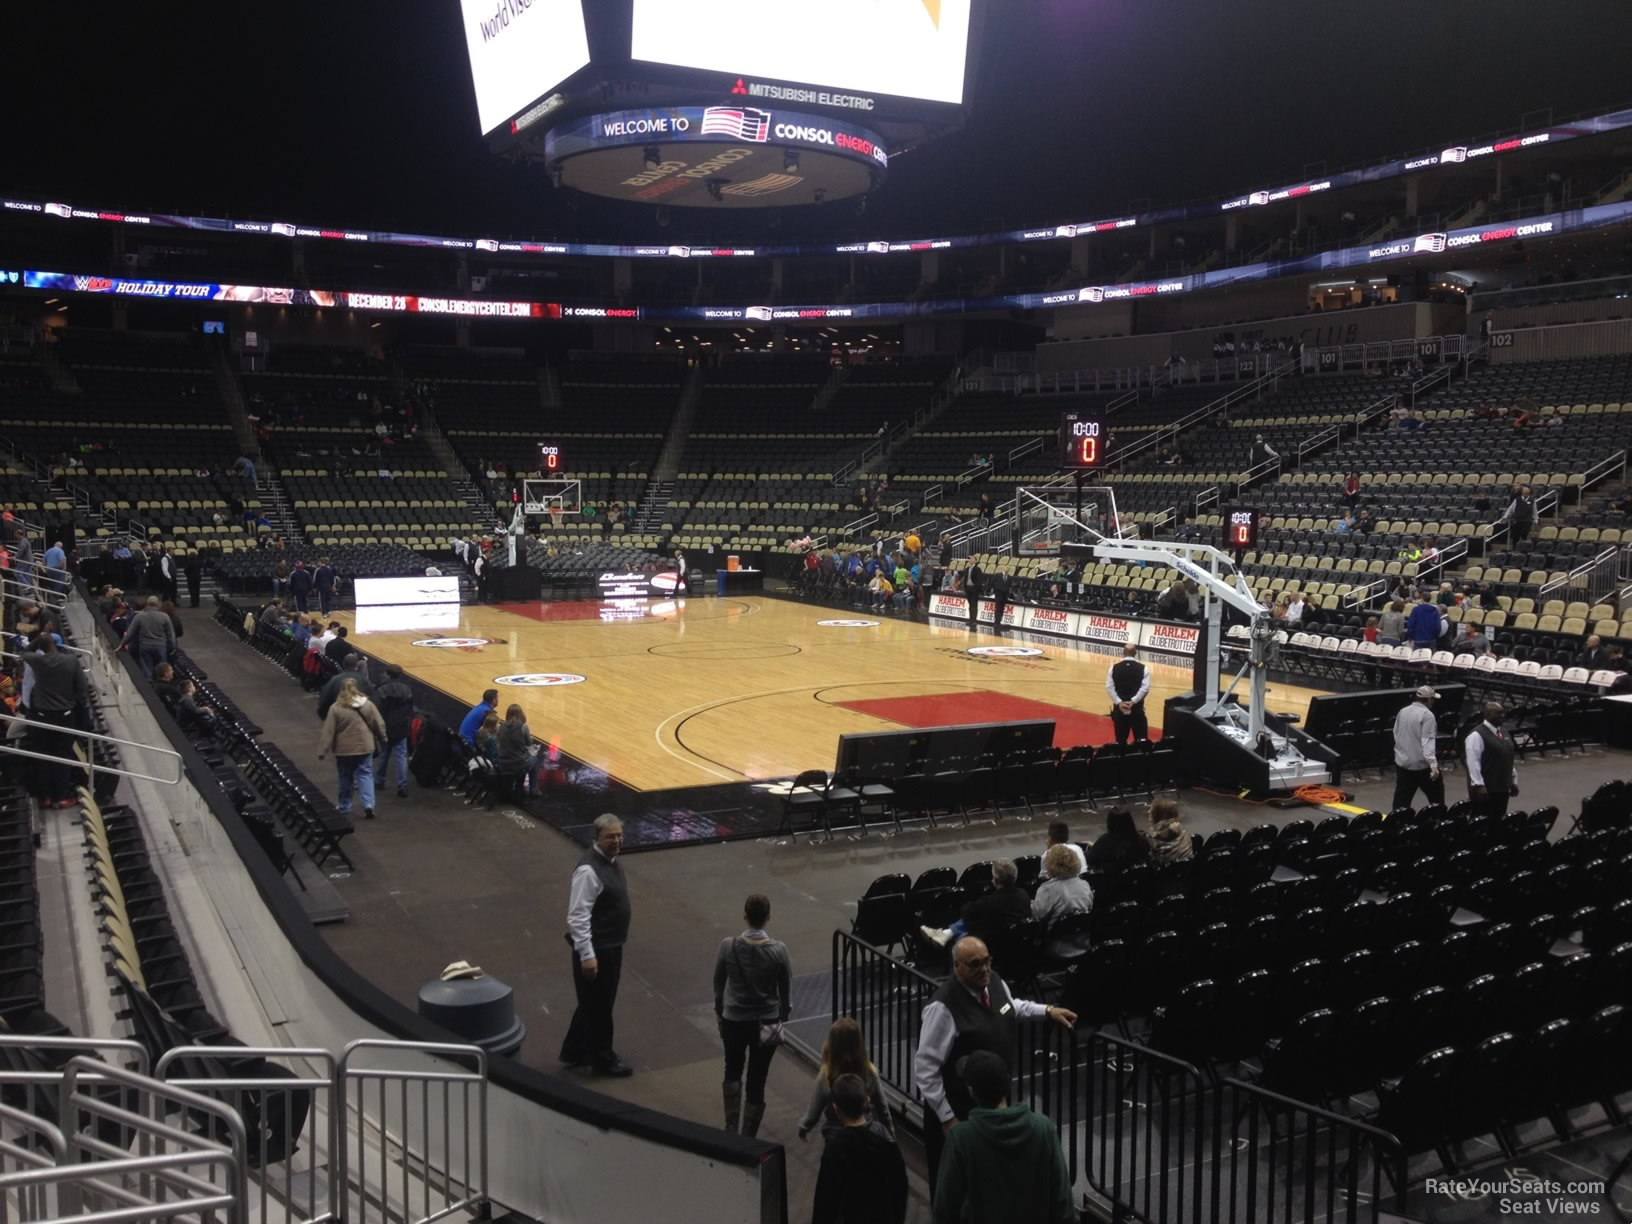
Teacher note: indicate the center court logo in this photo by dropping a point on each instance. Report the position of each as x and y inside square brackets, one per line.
[1005, 652]
[847, 624]
[455, 643]
[538, 680]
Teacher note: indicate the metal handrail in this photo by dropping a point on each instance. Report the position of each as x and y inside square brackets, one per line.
[1026, 448]
[858, 525]
[1424, 384]
[9, 654]
[1615, 462]
[1207, 497]
[347, 1072]
[1122, 401]
[32, 590]
[1330, 434]
[1580, 571]
[1370, 413]
[1251, 390]
[75, 733]
[1456, 550]
[1258, 472]
[1359, 597]
[974, 473]
[232, 1088]
[166, 1167]
[43, 1148]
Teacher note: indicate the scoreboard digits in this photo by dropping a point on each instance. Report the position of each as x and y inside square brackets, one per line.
[1241, 530]
[1082, 441]
[549, 458]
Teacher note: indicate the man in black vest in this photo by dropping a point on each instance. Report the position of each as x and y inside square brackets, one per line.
[1000, 599]
[323, 584]
[1521, 513]
[1127, 683]
[597, 926]
[193, 568]
[1491, 774]
[973, 1010]
[974, 586]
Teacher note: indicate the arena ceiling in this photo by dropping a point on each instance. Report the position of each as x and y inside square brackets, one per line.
[1079, 107]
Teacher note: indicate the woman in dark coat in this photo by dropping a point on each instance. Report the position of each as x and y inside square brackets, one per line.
[1121, 844]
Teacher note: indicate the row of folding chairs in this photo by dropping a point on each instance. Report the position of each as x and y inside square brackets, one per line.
[1529, 669]
[306, 812]
[995, 787]
[145, 949]
[1498, 1084]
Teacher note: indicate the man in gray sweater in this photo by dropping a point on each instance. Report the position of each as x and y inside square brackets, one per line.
[60, 687]
[151, 636]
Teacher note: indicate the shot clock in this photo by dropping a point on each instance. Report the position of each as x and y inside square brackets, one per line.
[549, 458]
[1082, 441]
[1241, 530]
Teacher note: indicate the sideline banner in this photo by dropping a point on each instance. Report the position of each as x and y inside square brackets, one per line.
[1101, 628]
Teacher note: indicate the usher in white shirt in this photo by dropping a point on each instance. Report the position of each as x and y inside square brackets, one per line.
[1474, 747]
[935, 1043]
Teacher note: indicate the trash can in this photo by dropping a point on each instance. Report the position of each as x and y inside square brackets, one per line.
[482, 1010]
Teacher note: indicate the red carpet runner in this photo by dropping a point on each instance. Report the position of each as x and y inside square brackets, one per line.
[1071, 727]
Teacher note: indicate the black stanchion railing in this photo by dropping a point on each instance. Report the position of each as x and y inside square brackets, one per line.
[1279, 1161]
[1145, 1132]
[887, 997]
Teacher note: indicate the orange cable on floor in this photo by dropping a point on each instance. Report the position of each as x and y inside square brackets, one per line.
[1319, 796]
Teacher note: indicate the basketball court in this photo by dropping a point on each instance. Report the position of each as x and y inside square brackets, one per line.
[709, 691]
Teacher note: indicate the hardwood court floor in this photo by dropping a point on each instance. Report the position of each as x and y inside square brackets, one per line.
[711, 690]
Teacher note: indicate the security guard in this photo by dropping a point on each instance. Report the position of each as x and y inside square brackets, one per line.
[1000, 599]
[1127, 683]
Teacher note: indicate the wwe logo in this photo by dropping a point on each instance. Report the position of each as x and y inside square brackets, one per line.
[739, 123]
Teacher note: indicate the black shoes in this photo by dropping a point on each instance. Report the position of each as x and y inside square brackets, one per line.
[402, 792]
[368, 813]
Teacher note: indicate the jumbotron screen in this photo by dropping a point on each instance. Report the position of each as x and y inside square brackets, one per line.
[520, 50]
[906, 48]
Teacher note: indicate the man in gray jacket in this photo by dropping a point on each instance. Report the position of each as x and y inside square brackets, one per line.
[60, 688]
[151, 636]
[1416, 755]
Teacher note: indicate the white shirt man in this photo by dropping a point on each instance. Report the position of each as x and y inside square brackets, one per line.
[1493, 772]
[1294, 611]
